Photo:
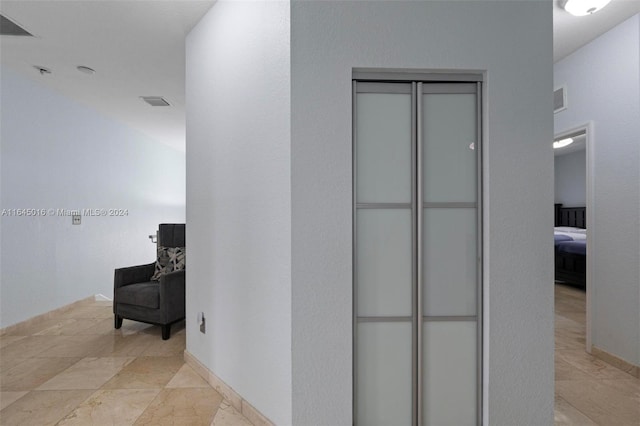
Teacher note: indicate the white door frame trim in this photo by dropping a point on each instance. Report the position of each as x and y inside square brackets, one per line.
[588, 129]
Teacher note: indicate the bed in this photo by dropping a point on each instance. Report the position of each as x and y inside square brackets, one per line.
[570, 242]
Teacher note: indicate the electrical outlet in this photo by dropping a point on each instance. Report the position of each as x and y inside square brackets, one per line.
[76, 219]
[202, 322]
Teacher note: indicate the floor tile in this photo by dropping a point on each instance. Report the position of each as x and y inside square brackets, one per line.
[88, 373]
[631, 388]
[578, 317]
[130, 327]
[186, 377]
[7, 398]
[601, 402]
[7, 364]
[72, 346]
[28, 347]
[567, 415]
[6, 340]
[174, 346]
[229, 416]
[569, 340]
[42, 407]
[111, 407]
[563, 322]
[182, 406]
[33, 372]
[591, 365]
[566, 371]
[146, 373]
[114, 345]
[90, 312]
[32, 327]
[69, 327]
[99, 326]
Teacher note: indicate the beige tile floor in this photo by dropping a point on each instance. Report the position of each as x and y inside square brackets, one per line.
[588, 391]
[76, 369]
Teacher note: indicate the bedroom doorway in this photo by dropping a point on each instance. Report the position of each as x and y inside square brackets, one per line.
[417, 204]
[573, 176]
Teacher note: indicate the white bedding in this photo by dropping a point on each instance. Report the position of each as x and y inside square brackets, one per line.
[565, 229]
[576, 234]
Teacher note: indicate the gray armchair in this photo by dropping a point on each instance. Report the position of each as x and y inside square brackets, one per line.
[137, 297]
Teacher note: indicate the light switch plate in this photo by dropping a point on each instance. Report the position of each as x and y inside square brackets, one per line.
[76, 219]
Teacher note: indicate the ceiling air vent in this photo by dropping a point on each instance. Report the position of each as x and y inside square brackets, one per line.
[560, 99]
[155, 101]
[10, 28]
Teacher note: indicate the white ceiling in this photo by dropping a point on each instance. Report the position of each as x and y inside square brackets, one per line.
[137, 49]
[135, 46]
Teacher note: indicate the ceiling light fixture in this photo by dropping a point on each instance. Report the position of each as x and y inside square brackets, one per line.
[562, 143]
[583, 7]
[85, 70]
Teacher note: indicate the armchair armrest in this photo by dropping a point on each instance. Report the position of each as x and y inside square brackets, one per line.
[172, 295]
[133, 274]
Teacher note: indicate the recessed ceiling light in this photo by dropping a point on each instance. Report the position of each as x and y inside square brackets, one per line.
[155, 100]
[85, 70]
[583, 7]
[42, 70]
[562, 143]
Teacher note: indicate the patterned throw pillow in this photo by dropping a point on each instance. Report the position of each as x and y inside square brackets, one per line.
[169, 259]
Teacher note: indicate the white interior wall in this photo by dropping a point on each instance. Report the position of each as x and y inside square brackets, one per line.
[603, 87]
[571, 179]
[239, 200]
[58, 154]
[512, 42]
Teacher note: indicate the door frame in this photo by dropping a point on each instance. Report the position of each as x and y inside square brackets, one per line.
[368, 75]
[588, 129]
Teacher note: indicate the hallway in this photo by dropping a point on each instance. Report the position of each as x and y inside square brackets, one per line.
[588, 391]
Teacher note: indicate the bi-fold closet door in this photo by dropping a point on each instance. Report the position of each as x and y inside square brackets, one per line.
[417, 253]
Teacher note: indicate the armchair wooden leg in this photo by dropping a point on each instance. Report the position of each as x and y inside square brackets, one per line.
[166, 331]
[117, 321]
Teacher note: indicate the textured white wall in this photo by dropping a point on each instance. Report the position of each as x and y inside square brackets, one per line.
[59, 154]
[571, 179]
[512, 41]
[239, 200]
[603, 86]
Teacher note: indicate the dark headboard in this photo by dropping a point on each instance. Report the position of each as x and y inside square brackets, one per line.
[571, 216]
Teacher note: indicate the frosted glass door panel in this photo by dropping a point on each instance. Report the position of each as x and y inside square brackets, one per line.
[384, 374]
[449, 380]
[449, 156]
[450, 262]
[383, 144]
[384, 262]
